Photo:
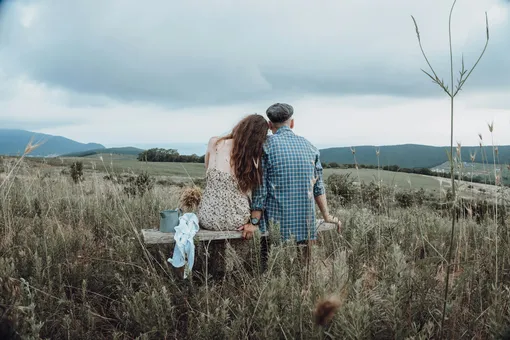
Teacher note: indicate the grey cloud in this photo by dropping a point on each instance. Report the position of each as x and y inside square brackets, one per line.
[35, 123]
[358, 80]
[194, 54]
[490, 100]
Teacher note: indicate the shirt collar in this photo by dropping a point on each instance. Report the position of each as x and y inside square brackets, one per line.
[283, 129]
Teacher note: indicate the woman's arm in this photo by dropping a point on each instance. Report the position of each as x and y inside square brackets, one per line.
[210, 148]
[206, 160]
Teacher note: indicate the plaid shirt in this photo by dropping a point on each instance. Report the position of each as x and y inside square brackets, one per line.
[292, 177]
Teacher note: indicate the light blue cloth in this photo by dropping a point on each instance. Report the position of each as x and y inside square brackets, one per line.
[184, 246]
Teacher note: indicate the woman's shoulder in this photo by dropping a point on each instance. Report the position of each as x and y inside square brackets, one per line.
[212, 142]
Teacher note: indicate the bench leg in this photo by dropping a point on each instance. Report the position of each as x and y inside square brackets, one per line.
[264, 253]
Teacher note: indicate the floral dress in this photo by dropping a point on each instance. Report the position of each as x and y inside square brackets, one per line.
[223, 205]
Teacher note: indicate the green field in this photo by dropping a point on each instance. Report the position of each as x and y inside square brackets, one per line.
[478, 169]
[178, 173]
[129, 164]
[399, 179]
[181, 172]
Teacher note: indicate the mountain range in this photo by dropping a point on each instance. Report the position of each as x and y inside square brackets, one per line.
[411, 155]
[13, 142]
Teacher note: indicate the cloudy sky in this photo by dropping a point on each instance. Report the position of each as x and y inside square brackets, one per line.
[126, 72]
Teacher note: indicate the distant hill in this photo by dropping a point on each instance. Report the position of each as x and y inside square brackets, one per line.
[410, 155]
[117, 151]
[13, 142]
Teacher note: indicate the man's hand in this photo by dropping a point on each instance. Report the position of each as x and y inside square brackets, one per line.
[331, 219]
[323, 206]
[248, 230]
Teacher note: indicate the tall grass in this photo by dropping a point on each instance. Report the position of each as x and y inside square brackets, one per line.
[452, 91]
[72, 267]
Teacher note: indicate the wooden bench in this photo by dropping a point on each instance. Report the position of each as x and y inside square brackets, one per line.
[212, 244]
[154, 236]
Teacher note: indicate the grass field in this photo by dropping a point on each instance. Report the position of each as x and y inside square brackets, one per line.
[479, 169]
[122, 163]
[428, 183]
[181, 172]
[399, 179]
[128, 164]
[72, 267]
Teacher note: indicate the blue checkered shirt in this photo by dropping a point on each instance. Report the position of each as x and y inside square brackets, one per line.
[292, 178]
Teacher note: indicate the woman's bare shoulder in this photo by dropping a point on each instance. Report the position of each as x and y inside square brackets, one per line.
[212, 141]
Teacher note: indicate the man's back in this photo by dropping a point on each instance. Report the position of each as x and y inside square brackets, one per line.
[292, 178]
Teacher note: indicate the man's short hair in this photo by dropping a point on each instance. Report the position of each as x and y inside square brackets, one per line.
[279, 113]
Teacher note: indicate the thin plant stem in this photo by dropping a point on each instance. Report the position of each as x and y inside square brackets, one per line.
[452, 234]
[207, 278]
[491, 129]
[452, 93]
[353, 151]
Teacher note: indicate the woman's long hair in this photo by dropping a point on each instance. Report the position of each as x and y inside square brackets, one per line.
[248, 138]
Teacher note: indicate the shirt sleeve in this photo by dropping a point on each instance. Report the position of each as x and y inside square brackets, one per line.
[260, 192]
[318, 187]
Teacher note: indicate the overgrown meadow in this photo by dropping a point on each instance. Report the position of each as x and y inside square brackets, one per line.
[73, 265]
[409, 264]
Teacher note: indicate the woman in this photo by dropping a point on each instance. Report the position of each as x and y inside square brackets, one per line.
[232, 173]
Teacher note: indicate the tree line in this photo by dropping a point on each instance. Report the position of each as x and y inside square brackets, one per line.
[168, 155]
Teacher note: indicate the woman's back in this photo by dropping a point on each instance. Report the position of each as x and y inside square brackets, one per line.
[218, 155]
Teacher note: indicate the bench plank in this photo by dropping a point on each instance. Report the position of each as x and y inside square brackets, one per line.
[154, 236]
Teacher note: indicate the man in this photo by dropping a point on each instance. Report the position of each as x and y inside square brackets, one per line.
[291, 183]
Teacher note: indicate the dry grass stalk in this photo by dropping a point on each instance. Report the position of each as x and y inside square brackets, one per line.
[28, 149]
[31, 146]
